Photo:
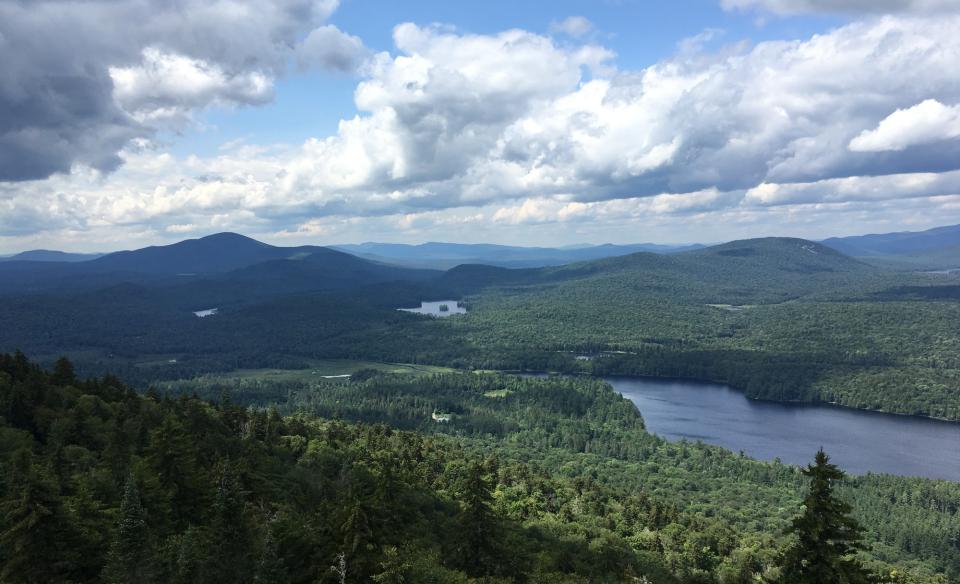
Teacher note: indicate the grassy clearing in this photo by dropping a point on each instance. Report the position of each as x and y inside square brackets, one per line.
[327, 368]
[731, 307]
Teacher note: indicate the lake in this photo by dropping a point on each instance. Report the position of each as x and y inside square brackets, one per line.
[858, 441]
[436, 308]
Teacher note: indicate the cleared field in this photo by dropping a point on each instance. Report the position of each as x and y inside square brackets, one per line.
[497, 393]
[329, 368]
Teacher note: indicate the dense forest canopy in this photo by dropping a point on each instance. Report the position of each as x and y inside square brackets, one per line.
[357, 291]
[781, 319]
[539, 480]
[456, 472]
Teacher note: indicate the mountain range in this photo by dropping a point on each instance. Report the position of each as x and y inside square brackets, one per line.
[47, 255]
[937, 248]
[233, 262]
[236, 274]
[223, 261]
[760, 314]
[933, 249]
[447, 255]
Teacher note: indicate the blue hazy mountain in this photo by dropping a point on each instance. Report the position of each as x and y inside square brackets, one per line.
[218, 259]
[47, 255]
[933, 249]
[447, 255]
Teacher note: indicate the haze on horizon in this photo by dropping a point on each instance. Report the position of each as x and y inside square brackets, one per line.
[126, 123]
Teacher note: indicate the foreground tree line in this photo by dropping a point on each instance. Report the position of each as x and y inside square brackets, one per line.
[100, 483]
[579, 427]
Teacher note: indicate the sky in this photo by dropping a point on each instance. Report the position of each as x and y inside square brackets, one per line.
[126, 123]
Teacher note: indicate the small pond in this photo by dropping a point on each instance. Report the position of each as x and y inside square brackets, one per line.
[438, 308]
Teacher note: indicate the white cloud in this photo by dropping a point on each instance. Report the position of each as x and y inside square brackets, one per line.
[857, 188]
[508, 130]
[166, 85]
[434, 113]
[540, 210]
[781, 112]
[574, 26]
[87, 76]
[846, 6]
[695, 43]
[928, 121]
[328, 47]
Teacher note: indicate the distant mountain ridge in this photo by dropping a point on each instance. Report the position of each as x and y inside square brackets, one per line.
[249, 264]
[218, 253]
[222, 260]
[222, 252]
[48, 255]
[330, 302]
[736, 272]
[439, 255]
[937, 248]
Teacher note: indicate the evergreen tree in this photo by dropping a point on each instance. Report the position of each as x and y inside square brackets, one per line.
[89, 516]
[359, 525]
[172, 455]
[129, 560]
[189, 549]
[477, 519]
[271, 569]
[395, 566]
[63, 372]
[38, 537]
[230, 553]
[827, 537]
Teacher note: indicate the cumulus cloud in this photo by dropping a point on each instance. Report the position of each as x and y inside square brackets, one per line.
[928, 121]
[539, 210]
[574, 26]
[695, 43]
[780, 112]
[328, 47]
[510, 129]
[432, 115]
[80, 78]
[856, 188]
[166, 85]
[846, 6]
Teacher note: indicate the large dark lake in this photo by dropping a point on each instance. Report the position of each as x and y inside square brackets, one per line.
[858, 441]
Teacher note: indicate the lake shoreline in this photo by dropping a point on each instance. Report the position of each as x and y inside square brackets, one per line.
[793, 402]
[861, 441]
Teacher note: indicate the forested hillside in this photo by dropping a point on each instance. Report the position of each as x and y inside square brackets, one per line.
[224, 267]
[782, 319]
[101, 484]
[47, 255]
[529, 480]
[933, 249]
[369, 292]
[448, 255]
